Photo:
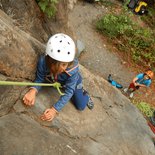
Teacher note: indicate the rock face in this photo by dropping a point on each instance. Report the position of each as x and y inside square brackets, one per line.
[27, 16]
[9, 96]
[113, 127]
[17, 57]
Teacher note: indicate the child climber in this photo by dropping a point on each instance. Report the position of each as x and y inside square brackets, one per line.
[141, 80]
[59, 64]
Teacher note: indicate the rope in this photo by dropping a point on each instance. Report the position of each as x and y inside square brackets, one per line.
[56, 85]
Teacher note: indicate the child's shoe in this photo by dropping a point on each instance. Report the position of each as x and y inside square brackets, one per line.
[90, 103]
[125, 90]
[131, 95]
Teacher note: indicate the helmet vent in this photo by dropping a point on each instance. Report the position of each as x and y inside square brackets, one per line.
[69, 43]
[68, 53]
[58, 51]
[51, 50]
[60, 41]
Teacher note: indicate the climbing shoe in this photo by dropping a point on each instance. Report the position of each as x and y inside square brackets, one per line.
[90, 103]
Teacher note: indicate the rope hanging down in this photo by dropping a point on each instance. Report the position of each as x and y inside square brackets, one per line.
[56, 85]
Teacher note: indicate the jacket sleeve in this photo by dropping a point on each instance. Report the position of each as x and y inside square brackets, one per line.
[70, 86]
[40, 73]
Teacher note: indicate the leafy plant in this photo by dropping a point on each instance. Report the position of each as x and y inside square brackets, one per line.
[128, 36]
[145, 108]
[105, 2]
[150, 18]
[48, 6]
[114, 25]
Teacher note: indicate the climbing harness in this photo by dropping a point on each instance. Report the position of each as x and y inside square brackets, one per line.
[56, 85]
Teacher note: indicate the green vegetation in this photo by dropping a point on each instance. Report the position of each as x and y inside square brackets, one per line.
[48, 6]
[145, 108]
[128, 36]
[106, 3]
[150, 18]
[114, 26]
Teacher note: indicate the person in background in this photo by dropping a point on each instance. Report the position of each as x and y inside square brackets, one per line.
[141, 80]
[59, 65]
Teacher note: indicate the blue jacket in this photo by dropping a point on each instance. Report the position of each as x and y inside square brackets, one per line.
[141, 80]
[69, 79]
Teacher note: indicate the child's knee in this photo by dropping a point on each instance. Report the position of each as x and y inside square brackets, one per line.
[80, 108]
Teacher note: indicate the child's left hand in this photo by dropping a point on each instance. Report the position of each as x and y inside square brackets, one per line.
[49, 114]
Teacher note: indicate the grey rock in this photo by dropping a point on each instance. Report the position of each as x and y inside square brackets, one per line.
[80, 47]
[8, 97]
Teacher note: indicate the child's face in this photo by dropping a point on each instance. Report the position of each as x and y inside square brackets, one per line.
[63, 66]
[57, 69]
[146, 77]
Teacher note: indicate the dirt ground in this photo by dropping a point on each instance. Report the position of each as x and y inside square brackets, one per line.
[100, 57]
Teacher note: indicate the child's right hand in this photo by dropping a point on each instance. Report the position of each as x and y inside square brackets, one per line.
[29, 98]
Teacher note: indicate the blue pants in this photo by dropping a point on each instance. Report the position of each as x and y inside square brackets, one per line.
[79, 99]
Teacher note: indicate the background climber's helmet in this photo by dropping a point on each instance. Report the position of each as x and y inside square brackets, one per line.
[61, 47]
[150, 74]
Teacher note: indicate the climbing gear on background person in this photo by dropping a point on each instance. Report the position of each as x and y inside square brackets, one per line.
[56, 85]
[61, 48]
[114, 83]
[150, 74]
[90, 103]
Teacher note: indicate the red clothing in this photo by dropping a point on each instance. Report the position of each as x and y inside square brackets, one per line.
[132, 86]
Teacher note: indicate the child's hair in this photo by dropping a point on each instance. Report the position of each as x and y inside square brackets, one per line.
[52, 62]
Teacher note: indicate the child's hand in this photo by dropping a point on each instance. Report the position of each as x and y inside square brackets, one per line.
[49, 114]
[136, 84]
[29, 98]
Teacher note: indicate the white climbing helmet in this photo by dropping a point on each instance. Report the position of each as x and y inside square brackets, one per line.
[61, 47]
